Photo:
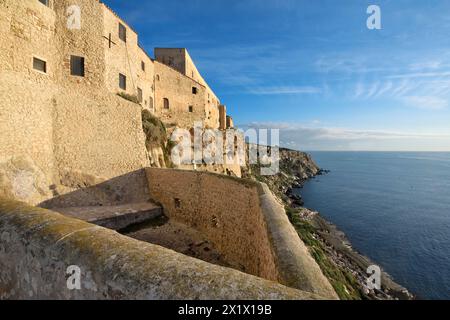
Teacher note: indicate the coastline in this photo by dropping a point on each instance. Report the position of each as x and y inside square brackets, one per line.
[340, 262]
[340, 250]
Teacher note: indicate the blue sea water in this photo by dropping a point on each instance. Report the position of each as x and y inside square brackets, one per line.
[394, 208]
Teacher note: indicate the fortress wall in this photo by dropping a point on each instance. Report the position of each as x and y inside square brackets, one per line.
[86, 42]
[179, 59]
[295, 265]
[125, 58]
[37, 246]
[212, 102]
[55, 125]
[52, 136]
[176, 87]
[27, 30]
[173, 57]
[99, 135]
[226, 210]
[26, 140]
[244, 221]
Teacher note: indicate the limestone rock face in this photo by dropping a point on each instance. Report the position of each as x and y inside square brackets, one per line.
[295, 168]
[21, 179]
[297, 163]
[156, 157]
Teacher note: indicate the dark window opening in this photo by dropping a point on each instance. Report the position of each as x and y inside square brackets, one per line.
[194, 90]
[150, 103]
[143, 65]
[77, 66]
[157, 77]
[166, 103]
[122, 82]
[39, 65]
[122, 32]
[191, 109]
[45, 2]
[139, 95]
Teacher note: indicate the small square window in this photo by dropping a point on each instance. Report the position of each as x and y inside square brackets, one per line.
[77, 66]
[191, 109]
[139, 95]
[39, 65]
[143, 65]
[122, 32]
[122, 82]
[194, 90]
[45, 2]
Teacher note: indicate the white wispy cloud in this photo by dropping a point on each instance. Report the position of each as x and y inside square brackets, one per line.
[420, 75]
[285, 90]
[311, 137]
[426, 102]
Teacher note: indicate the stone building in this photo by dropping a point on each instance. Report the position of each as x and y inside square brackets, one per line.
[63, 64]
[104, 53]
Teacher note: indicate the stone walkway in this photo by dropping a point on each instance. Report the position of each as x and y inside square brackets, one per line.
[178, 237]
[114, 217]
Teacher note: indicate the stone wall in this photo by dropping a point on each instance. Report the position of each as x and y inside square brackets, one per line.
[127, 58]
[224, 209]
[52, 136]
[100, 135]
[180, 60]
[57, 127]
[37, 246]
[178, 89]
[245, 223]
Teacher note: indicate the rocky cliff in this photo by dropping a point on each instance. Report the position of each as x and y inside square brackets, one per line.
[344, 267]
[296, 168]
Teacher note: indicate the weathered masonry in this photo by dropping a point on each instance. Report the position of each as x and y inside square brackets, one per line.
[63, 65]
[84, 43]
[249, 228]
[73, 84]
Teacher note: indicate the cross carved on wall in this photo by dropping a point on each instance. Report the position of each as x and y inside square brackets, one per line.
[109, 40]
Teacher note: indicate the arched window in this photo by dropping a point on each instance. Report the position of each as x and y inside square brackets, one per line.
[166, 103]
[150, 103]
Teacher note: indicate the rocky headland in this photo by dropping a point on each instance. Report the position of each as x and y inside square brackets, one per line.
[340, 262]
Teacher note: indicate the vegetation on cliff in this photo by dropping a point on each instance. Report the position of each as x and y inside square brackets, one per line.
[295, 168]
[130, 97]
[156, 136]
[343, 282]
[344, 267]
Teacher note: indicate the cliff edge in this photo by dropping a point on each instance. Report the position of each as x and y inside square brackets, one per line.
[340, 263]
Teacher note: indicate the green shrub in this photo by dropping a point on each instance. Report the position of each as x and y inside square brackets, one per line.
[343, 282]
[129, 97]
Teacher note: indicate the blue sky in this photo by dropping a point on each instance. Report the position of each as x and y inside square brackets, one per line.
[313, 68]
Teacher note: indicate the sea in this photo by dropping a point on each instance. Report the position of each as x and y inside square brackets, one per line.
[394, 208]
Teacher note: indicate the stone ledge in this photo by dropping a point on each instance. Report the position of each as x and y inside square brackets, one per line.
[37, 246]
[295, 264]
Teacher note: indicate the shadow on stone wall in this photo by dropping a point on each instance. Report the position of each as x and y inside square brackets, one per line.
[129, 188]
